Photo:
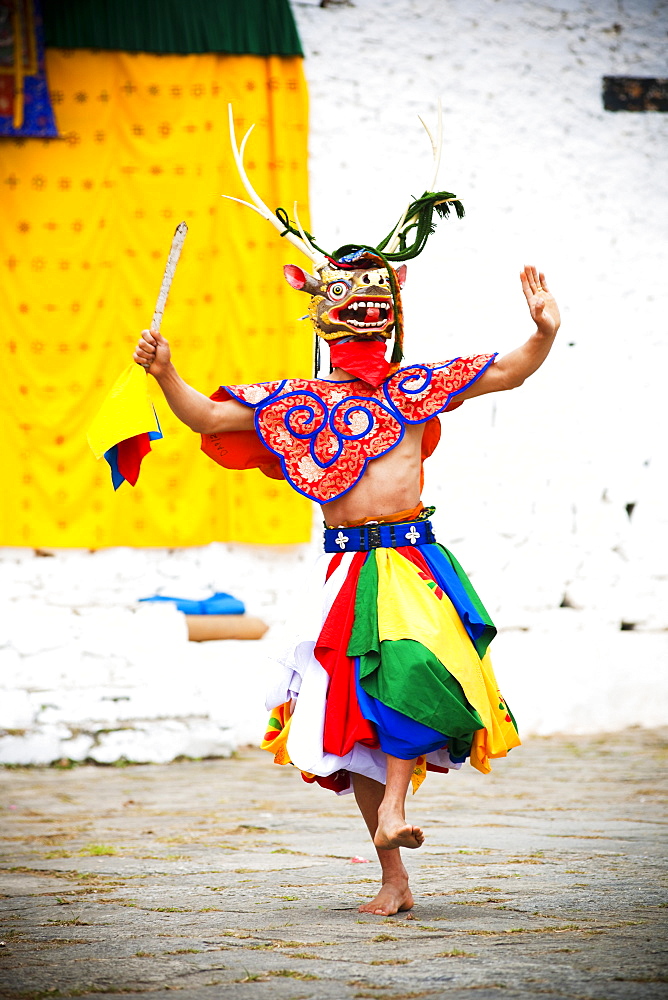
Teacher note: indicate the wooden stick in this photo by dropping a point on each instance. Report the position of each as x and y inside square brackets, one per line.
[170, 268]
[17, 29]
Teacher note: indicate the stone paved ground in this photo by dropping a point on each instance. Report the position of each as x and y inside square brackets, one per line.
[233, 879]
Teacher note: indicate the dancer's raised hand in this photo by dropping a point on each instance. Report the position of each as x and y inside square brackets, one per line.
[542, 304]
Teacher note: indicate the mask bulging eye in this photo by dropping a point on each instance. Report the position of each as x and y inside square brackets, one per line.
[337, 290]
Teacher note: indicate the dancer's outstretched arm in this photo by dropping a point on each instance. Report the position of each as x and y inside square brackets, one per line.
[197, 411]
[512, 369]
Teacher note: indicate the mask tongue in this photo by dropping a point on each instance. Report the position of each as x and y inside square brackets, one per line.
[363, 358]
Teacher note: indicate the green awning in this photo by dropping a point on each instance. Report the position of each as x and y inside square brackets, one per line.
[235, 27]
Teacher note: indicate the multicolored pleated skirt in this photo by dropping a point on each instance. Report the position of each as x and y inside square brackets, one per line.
[390, 656]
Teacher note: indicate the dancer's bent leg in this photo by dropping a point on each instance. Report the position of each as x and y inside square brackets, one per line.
[375, 800]
[393, 830]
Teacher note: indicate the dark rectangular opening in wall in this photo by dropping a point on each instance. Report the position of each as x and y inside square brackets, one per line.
[635, 93]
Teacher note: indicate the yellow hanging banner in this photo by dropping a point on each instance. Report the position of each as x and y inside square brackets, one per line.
[87, 220]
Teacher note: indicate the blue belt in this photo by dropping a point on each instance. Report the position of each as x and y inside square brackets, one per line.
[378, 536]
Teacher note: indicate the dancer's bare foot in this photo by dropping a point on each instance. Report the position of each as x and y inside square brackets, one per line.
[394, 831]
[393, 897]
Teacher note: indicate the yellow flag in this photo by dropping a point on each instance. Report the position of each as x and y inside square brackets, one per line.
[126, 412]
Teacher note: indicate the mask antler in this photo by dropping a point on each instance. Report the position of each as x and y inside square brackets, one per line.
[259, 206]
[436, 145]
[411, 214]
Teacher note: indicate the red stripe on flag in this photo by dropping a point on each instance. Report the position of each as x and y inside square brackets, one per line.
[130, 455]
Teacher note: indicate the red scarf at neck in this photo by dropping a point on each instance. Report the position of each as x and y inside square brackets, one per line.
[363, 358]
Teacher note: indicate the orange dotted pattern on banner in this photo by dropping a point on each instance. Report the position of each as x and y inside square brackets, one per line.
[87, 224]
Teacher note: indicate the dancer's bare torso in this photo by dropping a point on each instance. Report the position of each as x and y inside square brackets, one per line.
[390, 483]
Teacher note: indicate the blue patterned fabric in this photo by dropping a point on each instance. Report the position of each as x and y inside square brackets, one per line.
[38, 119]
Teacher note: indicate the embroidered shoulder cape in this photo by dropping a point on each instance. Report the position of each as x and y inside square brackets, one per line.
[321, 435]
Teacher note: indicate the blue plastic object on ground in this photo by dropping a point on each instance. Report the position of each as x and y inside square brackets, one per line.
[217, 604]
